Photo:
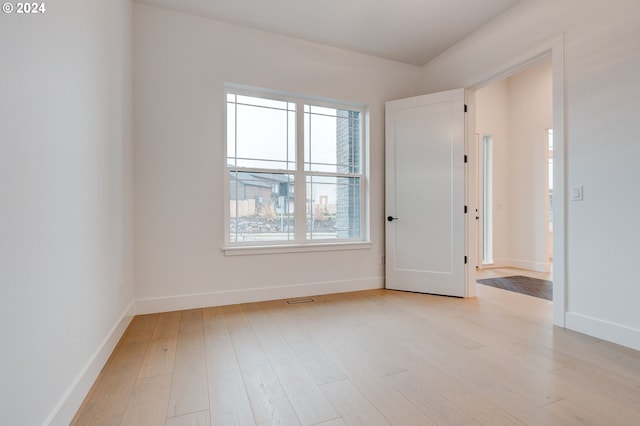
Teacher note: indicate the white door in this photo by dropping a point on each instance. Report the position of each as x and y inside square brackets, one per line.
[425, 194]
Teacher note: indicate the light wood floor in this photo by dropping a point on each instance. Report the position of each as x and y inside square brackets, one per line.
[372, 357]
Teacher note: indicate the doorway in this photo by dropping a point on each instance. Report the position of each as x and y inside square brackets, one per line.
[514, 145]
[553, 48]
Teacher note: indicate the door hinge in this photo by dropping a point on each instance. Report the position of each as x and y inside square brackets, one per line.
[465, 158]
[465, 260]
[465, 107]
[465, 209]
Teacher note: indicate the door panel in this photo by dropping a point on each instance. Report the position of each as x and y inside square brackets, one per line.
[425, 192]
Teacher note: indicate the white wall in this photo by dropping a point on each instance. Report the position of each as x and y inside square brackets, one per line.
[65, 203]
[602, 81]
[517, 111]
[180, 67]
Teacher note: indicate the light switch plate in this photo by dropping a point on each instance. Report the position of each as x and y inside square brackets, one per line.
[576, 193]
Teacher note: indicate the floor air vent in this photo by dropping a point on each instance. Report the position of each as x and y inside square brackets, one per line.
[297, 301]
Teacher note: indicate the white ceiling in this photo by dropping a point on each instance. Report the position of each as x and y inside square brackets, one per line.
[410, 31]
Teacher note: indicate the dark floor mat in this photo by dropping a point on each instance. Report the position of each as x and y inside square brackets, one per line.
[521, 284]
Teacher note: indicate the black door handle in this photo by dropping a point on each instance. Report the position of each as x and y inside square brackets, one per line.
[391, 218]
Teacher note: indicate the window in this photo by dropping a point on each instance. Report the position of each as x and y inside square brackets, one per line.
[487, 199]
[550, 178]
[295, 170]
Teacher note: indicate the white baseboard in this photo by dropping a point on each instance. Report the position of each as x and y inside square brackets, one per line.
[521, 264]
[232, 297]
[75, 395]
[604, 330]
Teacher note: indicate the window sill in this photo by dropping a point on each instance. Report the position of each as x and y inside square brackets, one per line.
[294, 248]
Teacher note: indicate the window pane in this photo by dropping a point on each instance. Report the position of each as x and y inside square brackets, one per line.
[260, 133]
[231, 135]
[332, 140]
[333, 207]
[262, 102]
[261, 207]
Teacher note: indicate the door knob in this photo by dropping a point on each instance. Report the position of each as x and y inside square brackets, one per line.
[391, 218]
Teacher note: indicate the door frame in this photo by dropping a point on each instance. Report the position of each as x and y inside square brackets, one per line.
[553, 48]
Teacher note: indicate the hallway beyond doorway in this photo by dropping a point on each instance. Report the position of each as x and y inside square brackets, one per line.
[506, 272]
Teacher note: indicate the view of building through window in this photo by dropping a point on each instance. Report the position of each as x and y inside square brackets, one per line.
[287, 156]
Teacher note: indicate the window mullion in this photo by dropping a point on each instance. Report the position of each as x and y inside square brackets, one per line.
[300, 178]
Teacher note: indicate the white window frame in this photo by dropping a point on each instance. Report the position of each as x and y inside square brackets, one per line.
[300, 243]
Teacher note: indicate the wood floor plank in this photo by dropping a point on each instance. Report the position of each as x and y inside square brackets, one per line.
[527, 376]
[574, 414]
[520, 381]
[428, 400]
[288, 318]
[490, 382]
[454, 414]
[159, 358]
[353, 407]
[365, 357]
[167, 326]
[148, 402]
[320, 366]
[617, 358]
[604, 382]
[141, 329]
[517, 354]
[485, 336]
[618, 411]
[268, 399]
[189, 387]
[411, 323]
[107, 400]
[194, 419]
[418, 385]
[362, 373]
[228, 399]
[308, 401]
[306, 321]
[334, 422]
[547, 351]
[336, 309]
[360, 337]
